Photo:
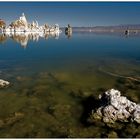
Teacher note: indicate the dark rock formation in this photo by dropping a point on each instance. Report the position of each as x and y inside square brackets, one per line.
[68, 31]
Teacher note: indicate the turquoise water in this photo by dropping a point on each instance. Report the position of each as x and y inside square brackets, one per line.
[51, 79]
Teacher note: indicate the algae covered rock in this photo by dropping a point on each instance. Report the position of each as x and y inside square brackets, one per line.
[115, 107]
[1, 123]
[14, 118]
[11, 119]
[112, 134]
[138, 136]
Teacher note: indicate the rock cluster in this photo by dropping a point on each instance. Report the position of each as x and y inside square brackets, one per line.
[3, 83]
[115, 107]
[21, 25]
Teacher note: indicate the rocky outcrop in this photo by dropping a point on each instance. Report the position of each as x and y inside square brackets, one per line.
[115, 107]
[21, 25]
[4, 83]
[68, 31]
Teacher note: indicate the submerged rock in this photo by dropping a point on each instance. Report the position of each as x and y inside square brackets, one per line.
[11, 119]
[138, 136]
[3, 83]
[112, 134]
[115, 107]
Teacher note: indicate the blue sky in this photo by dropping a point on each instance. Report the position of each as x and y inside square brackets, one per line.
[75, 13]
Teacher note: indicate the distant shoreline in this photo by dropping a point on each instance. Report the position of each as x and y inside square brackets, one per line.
[118, 28]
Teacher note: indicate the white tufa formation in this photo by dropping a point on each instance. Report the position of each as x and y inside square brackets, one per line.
[3, 83]
[117, 108]
[21, 25]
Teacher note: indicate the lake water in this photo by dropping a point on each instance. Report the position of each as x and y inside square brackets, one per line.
[53, 78]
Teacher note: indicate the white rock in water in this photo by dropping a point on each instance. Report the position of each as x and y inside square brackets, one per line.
[117, 108]
[4, 83]
[136, 115]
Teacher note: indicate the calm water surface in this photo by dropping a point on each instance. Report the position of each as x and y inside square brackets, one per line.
[52, 80]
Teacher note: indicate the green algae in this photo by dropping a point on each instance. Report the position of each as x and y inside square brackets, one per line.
[57, 104]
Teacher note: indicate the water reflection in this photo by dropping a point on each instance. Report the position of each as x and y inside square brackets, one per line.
[3, 38]
[68, 34]
[24, 38]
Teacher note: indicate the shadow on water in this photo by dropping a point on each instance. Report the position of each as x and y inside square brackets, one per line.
[88, 104]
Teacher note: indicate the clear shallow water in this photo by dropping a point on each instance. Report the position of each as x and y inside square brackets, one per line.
[51, 81]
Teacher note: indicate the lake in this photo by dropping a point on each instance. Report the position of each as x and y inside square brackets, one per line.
[55, 80]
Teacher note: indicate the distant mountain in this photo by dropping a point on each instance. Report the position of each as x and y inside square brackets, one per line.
[124, 27]
[109, 28]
